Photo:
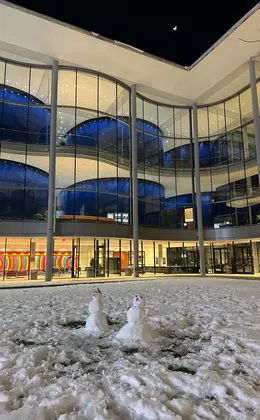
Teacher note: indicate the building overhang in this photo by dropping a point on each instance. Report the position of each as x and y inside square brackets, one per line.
[220, 72]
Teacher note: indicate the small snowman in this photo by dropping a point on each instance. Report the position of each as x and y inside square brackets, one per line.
[136, 328]
[96, 321]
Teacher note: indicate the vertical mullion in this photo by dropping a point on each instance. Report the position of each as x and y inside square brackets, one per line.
[142, 256]
[251, 257]
[4, 259]
[168, 256]
[210, 162]
[117, 151]
[159, 169]
[154, 258]
[3, 103]
[120, 252]
[108, 257]
[29, 265]
[78, 256]
[26, 145]
[143, 132]
[95, 255]
[73, 259]
[228, 172]
[214, 259]
[175, 166]
[183, 257]
[98, 122]
[197, 255]
[244, 162]
[75, 143]
[97, 259]
[211, 256]
[130, 255]
[130, 162]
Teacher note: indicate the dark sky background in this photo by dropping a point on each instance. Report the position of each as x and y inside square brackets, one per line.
[148, 25]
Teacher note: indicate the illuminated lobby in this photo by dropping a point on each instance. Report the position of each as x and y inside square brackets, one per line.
[121, 164]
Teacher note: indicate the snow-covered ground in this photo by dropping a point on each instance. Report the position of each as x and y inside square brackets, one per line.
[205, 365]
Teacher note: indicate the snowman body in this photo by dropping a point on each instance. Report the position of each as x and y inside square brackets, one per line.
[96, 321]
[136, 328]
[96, 305]
[136, 315]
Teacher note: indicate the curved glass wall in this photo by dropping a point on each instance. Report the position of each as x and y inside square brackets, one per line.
[228, 163]
[158, 164]
[94, 154]
[93, 144]
[18, 201]
[93, 166]
[82, 199]
[25, 94]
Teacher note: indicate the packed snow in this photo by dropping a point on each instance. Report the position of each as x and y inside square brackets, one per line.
[204, 363]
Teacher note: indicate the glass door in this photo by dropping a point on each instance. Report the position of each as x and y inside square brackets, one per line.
[220, 258]
[100, 258]
[243, 259]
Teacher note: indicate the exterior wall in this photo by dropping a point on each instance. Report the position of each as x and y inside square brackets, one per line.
[25, 258]
[228, 161]
[94, 159]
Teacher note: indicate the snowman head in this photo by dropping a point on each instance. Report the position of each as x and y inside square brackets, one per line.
[139, 300]
[97, 294]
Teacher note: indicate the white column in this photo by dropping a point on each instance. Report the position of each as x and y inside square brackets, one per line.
[134, 182]
[255, 112]
[52, 172]
[198, 191]
[246, 157]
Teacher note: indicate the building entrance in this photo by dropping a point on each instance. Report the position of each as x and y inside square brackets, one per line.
[220, 259]
[243, 262]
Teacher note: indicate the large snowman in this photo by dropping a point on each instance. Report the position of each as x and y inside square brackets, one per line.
[96, 321]
[136, 328]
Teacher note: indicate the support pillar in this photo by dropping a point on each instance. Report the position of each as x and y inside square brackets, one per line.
[246, 157]
[198, 191]
[134, 182]
[248, 178]
[245, 140]
[52, 172]
[255, 112]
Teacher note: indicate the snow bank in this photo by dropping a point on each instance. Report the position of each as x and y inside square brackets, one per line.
[204, 365]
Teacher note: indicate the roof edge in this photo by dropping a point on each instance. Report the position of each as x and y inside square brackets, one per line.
[229, 32]
[92, 34]
[130, 47]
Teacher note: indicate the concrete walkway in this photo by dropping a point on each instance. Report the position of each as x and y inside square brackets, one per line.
[23, 284]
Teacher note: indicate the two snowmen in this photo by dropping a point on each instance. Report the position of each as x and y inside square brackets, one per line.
[135, 329]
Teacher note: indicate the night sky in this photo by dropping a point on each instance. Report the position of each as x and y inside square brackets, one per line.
[199, 23]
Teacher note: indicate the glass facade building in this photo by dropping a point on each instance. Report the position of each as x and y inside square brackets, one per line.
[93, 218]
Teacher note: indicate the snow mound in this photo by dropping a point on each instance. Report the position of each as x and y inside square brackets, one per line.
[205, 364]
